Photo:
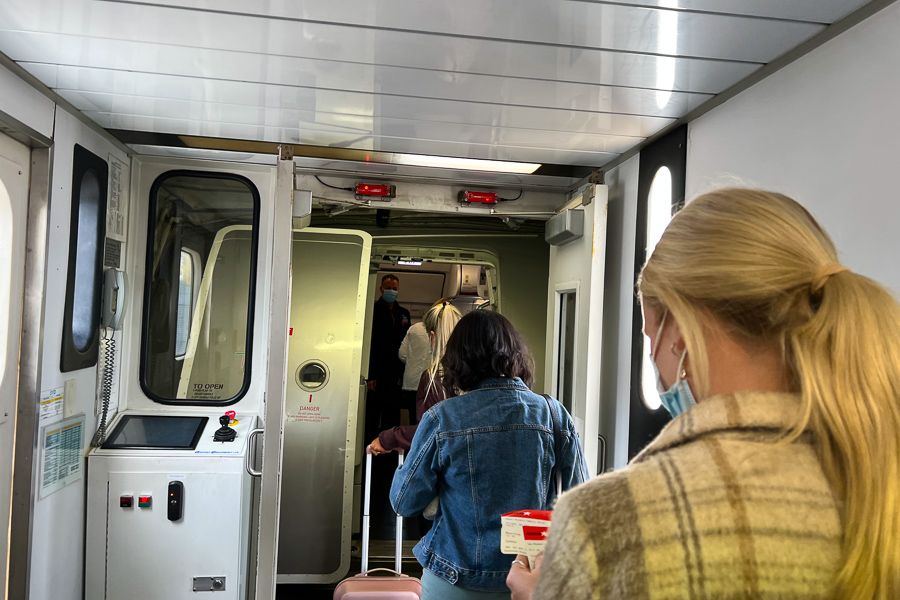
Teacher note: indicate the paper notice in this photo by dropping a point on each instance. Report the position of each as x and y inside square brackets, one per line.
[61, 454]
[524, 532]
[52, 404]
[117, 207]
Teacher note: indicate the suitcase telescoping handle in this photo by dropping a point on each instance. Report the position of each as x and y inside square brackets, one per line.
[367, 493]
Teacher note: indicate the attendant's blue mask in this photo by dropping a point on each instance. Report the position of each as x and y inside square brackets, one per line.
[389, 296]
[678, 398]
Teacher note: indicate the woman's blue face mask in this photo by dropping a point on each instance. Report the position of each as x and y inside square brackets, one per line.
[678, 398]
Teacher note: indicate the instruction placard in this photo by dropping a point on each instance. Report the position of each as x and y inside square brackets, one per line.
[52, 404]
[117, 209]
[61, 461]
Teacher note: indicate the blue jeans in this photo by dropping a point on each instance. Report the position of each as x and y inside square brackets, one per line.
[435, 588]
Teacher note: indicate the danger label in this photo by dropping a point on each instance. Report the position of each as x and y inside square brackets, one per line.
[308, 413]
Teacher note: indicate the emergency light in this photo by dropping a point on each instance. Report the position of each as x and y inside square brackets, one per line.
[470, 197]
[375, 190]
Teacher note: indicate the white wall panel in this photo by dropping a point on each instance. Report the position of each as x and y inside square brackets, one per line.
[825, 131]
[25, 104]
[58, 520]
[621, 227]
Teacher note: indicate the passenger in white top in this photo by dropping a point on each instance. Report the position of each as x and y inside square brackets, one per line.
[415, 351]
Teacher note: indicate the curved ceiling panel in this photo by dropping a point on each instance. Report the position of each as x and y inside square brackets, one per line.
[569, 82]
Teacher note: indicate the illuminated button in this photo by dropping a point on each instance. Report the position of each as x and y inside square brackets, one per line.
[145, 501]
[126, 501]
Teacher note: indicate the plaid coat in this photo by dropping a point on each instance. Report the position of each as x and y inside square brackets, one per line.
[715, 507]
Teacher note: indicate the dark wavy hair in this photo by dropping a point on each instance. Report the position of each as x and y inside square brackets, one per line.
[484, 345]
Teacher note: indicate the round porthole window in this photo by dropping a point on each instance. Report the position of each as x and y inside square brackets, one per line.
[312, 375]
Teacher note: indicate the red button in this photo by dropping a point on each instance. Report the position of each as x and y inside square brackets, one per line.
[145, 501]
[126, 501]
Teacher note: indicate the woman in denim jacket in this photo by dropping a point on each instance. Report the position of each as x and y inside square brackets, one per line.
[488, 451]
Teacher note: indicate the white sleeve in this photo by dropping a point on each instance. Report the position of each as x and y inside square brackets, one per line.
[404, 346]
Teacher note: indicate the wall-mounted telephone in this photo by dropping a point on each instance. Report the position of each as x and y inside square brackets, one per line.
[113, 299]
[112, 308]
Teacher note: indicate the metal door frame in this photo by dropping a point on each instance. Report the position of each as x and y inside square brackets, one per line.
[276, 381]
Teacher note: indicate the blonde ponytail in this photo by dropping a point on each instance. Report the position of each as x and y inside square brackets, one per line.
[759, 263]
[439, 320]
[846, 359]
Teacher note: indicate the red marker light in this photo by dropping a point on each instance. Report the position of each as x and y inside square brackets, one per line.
[375, 190]
[469, 197]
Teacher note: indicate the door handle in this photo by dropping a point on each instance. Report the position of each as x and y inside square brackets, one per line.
[250, 456]
[602, 440]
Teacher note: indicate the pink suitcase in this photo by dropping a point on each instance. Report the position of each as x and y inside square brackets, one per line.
[367, 585]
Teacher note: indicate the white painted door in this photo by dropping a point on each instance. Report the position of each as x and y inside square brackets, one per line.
[14, 163]
[574, 322]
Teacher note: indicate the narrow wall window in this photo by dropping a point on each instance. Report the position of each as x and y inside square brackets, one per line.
[659, 213]
[661, 183]
[566, 358]
[81, 319]
[199, 288]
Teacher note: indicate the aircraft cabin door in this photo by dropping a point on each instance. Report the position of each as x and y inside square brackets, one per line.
[574, 321]
[14, 166]
[328, 311]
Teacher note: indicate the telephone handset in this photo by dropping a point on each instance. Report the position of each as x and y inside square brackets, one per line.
[112, 306]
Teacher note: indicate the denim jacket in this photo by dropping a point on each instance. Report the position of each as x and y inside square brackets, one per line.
[484, 453]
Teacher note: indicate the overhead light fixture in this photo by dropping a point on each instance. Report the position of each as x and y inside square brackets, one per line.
[410, 262]
[468, 164]
[384, 191]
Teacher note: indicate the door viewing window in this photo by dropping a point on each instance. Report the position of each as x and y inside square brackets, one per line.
[199, 288]
[187, 295]
[566, 356]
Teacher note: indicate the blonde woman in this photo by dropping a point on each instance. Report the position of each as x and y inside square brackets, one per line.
[779, 476]
[439, 322]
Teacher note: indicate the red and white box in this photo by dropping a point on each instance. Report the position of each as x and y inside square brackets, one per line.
[524, 532]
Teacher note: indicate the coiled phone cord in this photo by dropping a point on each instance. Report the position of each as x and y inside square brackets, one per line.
[106, 382]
